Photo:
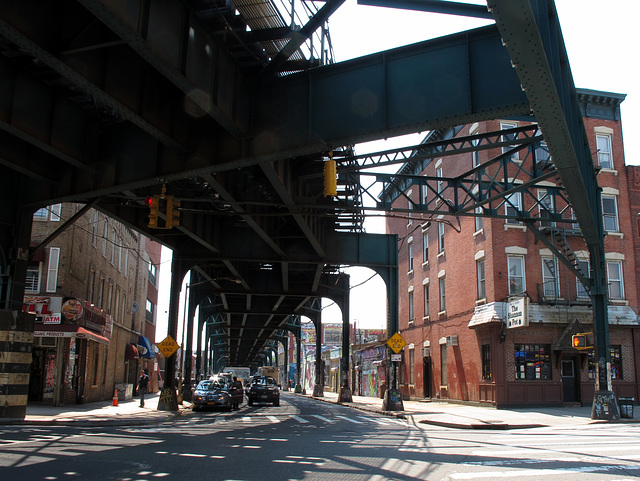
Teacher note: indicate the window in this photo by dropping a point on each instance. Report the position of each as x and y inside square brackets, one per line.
[412, 379]
[440, 182]
[443, 364]
[425, 246]
[52, 272]
[481, 284]
[603, 144]
[610, 213]
[51, 213]
[112, 256]
[149, 311]
[513, 206]
[56, 210]
[546, 207]
[424, 194]
[153, 273]
[411, 310]
[409, 208]
[478, 219]
[126, 262]
[614, 278]
[508, 138]
[440, 237]
[32, 283]
[105, 235]
[94, 229]
[92, 287]
[533, 361]
[425, 292]
[410, 255]
[516, 274]
[475, 155]
[581, 291]
[443, 304]
[616, 363]
[550, 282]
[486, 362]
[100, 292]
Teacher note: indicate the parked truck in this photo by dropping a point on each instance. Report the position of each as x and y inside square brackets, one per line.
[242, 373]
[269, 371]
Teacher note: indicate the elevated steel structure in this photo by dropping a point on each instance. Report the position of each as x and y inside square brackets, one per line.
[232, 105]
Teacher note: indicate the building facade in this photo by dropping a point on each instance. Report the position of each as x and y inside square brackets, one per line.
[92, 285]
[487, 311]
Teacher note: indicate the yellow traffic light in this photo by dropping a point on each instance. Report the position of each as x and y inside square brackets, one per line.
[153, 203]
[173, 212]
[330, 177]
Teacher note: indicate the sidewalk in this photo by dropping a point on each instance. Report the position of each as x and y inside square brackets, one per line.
[466, 416]
[437, 413]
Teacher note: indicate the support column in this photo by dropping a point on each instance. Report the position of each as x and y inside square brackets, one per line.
[187, 354]
[344, 392]
[199, 350]
[298, 387]
[168, 396]
[318, 387]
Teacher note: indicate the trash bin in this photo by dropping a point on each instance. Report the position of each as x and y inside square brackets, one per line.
[626, 407]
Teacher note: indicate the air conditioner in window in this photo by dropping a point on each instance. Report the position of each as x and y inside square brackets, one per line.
[426, 352]
[452, 340]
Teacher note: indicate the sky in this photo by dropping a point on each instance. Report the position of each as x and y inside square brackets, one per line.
[601, 42]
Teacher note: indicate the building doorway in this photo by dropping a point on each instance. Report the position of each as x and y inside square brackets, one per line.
[570, 380]
[426, 376]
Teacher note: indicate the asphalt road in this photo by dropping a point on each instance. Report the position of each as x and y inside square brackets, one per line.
[306, 439]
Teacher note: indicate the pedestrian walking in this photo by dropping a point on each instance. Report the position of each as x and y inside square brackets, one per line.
[236, 393]
[143, 385]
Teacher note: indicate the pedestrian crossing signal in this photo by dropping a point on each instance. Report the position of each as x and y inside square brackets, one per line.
[579, 341]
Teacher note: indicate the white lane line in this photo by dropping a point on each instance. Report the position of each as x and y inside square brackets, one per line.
[246, 419]
[349, 419]
[299, 419]
[273, 419]
[322, 418]
[373, 420]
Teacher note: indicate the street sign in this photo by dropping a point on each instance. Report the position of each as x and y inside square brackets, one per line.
[396, 357]
[168, 347]
[396, 343]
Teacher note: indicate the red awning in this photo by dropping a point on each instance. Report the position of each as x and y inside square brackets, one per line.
[131, 352]
[68, 330]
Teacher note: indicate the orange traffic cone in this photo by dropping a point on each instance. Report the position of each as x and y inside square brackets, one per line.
[115, 398]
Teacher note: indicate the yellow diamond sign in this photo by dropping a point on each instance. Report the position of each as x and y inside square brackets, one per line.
[168, 347]
[396, 343]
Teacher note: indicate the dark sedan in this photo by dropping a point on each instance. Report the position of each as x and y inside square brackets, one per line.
[264, 389]
[211, 394]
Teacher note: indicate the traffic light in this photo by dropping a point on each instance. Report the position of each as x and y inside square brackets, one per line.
[153, 203]
[579, 341]
[173, 212]
[330, 177]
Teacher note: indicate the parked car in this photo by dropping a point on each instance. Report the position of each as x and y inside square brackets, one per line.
[264, 389]
[211, 394]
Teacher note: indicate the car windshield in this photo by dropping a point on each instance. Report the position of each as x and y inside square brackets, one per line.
[209, 385]
[264, 381]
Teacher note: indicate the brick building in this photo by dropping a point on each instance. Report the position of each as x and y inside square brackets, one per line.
[461, 276]
[93, 289]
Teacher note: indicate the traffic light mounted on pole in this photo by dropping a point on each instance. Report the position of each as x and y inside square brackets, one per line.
[173, 213]
[579, 341]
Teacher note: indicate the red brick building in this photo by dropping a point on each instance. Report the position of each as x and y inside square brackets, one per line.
[461, 276]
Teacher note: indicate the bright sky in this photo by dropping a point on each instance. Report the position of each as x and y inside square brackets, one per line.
[601, 41]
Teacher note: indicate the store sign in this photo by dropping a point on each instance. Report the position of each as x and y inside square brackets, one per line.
[517, 313]
[396, 357]
[52, 319]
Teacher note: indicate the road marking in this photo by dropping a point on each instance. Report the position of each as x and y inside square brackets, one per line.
[322, 418]
[299, 419]
[273, 419]
[540, 472]
[349, 419]
[246, 419]
[373, 420]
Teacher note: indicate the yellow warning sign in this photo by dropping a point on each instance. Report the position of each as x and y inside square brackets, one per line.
[168, 347]
[396, 343]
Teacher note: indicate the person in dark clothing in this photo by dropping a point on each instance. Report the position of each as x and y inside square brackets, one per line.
[235, 389]
[143, 386]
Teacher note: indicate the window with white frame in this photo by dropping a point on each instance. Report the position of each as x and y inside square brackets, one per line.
[475, 154]
[424, 194]
[32, 282]
[550, 282]
[440, 237]
[409, 208]
[410, 255]
[56, 212]
[508, 137]
[513, 206]
[443, 297]
[614, 279]
[440, 182]
[546, 206]
[412, 379]
[425, 293]
[105, 238]
[581, 291]
[603, 144]
[52, 271]
[112, 256]
[478, 219]
[516, 274]
[425, 246]
[51, 212]
[412, 315]
[610, 213]
[482, 293]
[94, 229]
